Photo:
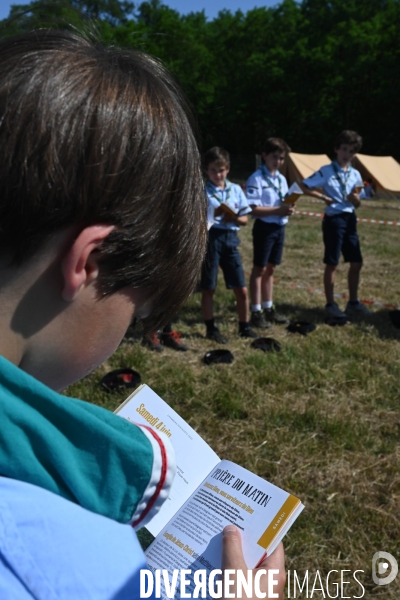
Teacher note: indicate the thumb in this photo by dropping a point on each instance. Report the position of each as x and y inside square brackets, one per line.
[232, 554]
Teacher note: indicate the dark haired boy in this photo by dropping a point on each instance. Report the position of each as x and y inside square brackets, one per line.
[223, 242]
[339, 186]
[96, 153]
[265, 191]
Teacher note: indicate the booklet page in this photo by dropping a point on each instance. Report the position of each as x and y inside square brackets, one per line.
[229, 494]
[194, 458]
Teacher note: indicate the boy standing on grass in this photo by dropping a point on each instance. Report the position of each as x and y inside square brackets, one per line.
[97, 153]
[265, 191]
[340, 186]
[223, 242]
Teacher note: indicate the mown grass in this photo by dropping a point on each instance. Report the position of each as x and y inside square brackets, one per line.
[321, 418]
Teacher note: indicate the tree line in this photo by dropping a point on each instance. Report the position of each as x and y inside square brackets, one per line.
[300, 70]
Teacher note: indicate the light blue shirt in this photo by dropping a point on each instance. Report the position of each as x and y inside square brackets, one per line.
[261, 192]
[52, 549]
[233, 196]
[337, 185]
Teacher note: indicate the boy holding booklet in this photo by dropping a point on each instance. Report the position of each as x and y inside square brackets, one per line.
[341, 186]
[96, 153]
[227, 212]
[265, 191]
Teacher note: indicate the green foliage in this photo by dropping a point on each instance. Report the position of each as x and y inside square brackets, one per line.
[301, 70]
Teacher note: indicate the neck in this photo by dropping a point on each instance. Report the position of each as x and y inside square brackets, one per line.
[271, 171]
[220, 186]
[344, 166]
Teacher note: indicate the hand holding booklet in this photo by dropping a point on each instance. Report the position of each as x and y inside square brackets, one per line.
[231, 211]
[293, 194]
[207, 494]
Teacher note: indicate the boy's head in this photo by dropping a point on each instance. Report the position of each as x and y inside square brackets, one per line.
[347, 144]
[274, 153]
[92, 135]
[216, 165]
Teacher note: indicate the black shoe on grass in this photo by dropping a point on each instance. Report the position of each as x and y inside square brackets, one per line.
[216, 336]
[173, 340]
[271, 316]
[257, 319]
[152, 342]
[248, 333]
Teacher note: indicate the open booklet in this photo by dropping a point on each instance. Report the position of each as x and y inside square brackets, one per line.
[207, 494]
[293, 194]
[230, 210]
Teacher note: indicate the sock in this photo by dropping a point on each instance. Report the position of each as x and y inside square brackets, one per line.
[210, 324]
[354, 302]
[267, 304]
[255, 307]
[243, 325]
[328, 304]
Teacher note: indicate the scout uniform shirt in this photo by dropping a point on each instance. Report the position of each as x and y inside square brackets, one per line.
[337, 184]
[265, 189]
[233, 196]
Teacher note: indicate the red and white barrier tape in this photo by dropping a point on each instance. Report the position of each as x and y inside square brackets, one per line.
[320, 215]
[316, 201]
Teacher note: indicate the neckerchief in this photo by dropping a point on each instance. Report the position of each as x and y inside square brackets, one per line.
[72, 448]
[213, 190]
[342, 181]
[267, 178]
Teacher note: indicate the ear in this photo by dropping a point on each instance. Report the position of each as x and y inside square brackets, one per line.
[80, 265]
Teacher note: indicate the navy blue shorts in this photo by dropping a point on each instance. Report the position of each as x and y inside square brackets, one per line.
[268, 240]
[340, 236]
[222, 251]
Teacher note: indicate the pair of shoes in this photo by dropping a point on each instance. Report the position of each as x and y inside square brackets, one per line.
[359, 309]
[152, 342]
[257, 319]
[247, 333]
[173, 340]
[333, 311]
[271, 316]
[216, 336]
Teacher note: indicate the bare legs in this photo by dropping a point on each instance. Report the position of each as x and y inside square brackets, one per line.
[207, 304]
[242, 304]
[241, 300]
[262, 283]
[353, 279]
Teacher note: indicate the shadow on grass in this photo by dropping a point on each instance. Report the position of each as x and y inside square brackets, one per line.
[379, 320]
[191, 315]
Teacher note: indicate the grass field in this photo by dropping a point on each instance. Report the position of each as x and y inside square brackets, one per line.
[321, 418]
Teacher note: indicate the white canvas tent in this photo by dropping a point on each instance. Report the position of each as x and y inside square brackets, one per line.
[299, 166]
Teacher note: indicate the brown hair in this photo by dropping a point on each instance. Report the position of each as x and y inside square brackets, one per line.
[217, 155]
[273, 144]
[349, 137]
[89, 135]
